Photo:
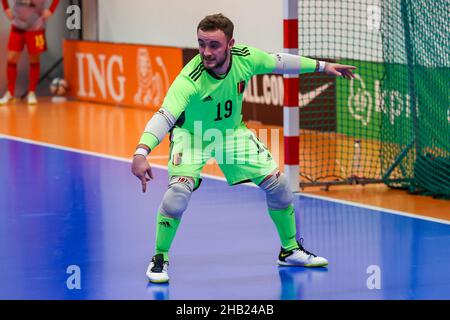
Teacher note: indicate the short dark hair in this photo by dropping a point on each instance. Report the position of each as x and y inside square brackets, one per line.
[217, 22]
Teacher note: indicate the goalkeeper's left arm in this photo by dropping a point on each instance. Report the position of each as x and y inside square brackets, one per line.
[284, 63]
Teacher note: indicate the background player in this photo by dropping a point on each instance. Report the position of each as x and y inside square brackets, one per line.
[28, 19]
[208, 93]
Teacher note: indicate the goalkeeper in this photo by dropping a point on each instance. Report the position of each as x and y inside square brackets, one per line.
[207, 97]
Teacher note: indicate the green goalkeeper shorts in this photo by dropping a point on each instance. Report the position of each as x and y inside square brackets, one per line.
[238, 152]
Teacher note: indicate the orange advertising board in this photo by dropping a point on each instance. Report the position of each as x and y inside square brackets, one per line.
[120, 74]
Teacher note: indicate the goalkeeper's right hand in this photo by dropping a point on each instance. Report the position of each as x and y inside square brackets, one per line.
[142, 170]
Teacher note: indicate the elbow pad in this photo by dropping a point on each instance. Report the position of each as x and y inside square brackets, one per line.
[157, 128]
[293, 64]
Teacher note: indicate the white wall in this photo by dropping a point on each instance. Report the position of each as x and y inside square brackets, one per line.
[257, 23]
[328, 28]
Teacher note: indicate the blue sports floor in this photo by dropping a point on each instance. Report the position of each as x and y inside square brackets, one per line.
[60, 208]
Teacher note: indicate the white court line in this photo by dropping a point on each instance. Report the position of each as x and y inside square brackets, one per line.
[366, 206]
[100, 155]
[308, 195]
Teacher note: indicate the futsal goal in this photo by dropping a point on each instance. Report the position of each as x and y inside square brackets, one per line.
[391, 123]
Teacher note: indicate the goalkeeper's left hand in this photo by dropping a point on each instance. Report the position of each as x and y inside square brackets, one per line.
[339, 70]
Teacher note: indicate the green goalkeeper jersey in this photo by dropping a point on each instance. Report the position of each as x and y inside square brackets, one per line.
[198, 98]
[197, 94]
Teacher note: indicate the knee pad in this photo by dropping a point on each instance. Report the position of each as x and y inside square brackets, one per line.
[278, 193]
[177, 196]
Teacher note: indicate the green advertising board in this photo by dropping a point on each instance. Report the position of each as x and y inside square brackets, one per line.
[360, 106]
[381, 94]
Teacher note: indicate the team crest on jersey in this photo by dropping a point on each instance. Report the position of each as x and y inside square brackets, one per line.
[241, 87]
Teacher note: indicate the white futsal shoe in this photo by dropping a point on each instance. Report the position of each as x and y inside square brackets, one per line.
[157, 269]
[7, 98]
[31, 98]
[300, 257]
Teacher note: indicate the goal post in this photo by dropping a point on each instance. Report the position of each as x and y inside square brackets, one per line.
[290, 104]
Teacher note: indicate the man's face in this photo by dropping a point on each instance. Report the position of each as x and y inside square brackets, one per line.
[214, 48]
